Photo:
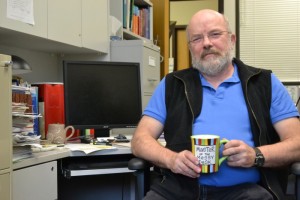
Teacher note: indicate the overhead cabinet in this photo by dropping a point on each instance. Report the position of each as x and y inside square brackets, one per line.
[82, 23]
[39, 28]
[59, 26]
[64, 21]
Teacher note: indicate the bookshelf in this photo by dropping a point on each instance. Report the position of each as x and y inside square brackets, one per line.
[136, 17]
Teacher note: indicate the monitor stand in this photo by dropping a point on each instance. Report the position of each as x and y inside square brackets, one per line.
[104, 132]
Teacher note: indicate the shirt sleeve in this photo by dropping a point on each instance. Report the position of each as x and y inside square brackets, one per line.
[282, 105]
[156, 107]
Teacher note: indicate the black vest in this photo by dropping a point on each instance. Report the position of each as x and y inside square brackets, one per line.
[184, 101]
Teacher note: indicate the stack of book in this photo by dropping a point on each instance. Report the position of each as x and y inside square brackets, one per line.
[25, 115]
[136, 18]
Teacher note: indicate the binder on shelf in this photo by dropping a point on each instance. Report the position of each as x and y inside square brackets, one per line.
[35, 109]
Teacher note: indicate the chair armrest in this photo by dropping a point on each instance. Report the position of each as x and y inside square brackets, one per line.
[142, 173]
[137, 164]
[295, 168]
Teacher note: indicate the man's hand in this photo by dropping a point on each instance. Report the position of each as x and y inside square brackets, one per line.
[185, 163]
[239, 154]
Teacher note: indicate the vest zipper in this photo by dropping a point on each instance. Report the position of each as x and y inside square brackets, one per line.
[259, 141]
[186, 95]
[253, 114]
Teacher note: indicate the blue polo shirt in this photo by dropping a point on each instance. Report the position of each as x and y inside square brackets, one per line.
[224, 113]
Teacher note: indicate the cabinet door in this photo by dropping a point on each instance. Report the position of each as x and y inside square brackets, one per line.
[39, 28]
[64, 21]
[5, 115]
[95, 25]
[5, 186]
[35, 183]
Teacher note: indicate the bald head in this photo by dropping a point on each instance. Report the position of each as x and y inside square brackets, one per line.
[202, 18]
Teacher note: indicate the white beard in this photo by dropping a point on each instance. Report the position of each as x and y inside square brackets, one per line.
[213, 65]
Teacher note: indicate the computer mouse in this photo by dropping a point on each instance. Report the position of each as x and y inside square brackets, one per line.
[121, 136]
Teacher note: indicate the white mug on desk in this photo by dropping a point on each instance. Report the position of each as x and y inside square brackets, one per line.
[57, 133]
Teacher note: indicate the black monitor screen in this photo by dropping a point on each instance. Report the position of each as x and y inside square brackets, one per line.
[102, 95]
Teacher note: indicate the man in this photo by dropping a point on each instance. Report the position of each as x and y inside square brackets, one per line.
[219, 95]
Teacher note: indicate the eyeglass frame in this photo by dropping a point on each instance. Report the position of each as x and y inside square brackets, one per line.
[213, 35]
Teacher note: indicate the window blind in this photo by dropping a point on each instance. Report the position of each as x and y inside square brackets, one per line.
[269, 36]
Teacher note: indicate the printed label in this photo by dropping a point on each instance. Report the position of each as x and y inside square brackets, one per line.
[206, 154]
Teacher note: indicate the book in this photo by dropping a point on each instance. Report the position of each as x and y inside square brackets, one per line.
[131, 11]
[125, 18]
[42, 120]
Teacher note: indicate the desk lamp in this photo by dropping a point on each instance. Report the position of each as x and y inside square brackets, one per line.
[19, 65]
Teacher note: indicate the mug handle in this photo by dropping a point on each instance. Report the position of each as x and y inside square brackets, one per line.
[72, 133]
[223, 141]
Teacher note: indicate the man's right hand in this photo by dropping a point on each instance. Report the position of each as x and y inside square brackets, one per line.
[185, 163]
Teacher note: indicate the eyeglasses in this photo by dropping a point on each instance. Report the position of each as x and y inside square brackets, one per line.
[212, 36]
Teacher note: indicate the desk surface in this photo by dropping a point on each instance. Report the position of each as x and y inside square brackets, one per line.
[42, 157]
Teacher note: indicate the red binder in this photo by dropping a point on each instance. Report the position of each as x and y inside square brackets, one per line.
[51, 105]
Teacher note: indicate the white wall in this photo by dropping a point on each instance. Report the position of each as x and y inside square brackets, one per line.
[44, 65]
[229, 12]
[182, 11]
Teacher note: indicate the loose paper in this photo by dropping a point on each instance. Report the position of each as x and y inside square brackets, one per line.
[20, 10]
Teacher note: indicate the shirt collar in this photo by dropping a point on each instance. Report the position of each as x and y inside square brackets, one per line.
[233, 79]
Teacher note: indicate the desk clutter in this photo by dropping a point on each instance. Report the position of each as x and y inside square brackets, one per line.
[25, 115]
[34, 107]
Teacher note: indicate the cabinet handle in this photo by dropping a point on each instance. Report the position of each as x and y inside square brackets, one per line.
[6, 64]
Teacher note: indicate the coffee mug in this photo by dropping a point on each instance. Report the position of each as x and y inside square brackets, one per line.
[206, 148]
[57, 133]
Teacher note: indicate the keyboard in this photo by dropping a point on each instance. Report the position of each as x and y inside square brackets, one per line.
[122, 140]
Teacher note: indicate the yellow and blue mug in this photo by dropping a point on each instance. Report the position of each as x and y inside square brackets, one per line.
[206, 148]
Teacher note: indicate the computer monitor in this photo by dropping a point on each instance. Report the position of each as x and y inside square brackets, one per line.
[102, 95]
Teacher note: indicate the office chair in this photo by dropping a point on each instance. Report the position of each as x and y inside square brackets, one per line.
[295, 169]
[142, 173]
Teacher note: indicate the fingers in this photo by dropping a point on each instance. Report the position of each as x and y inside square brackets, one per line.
[239, 154]
[187, 164]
